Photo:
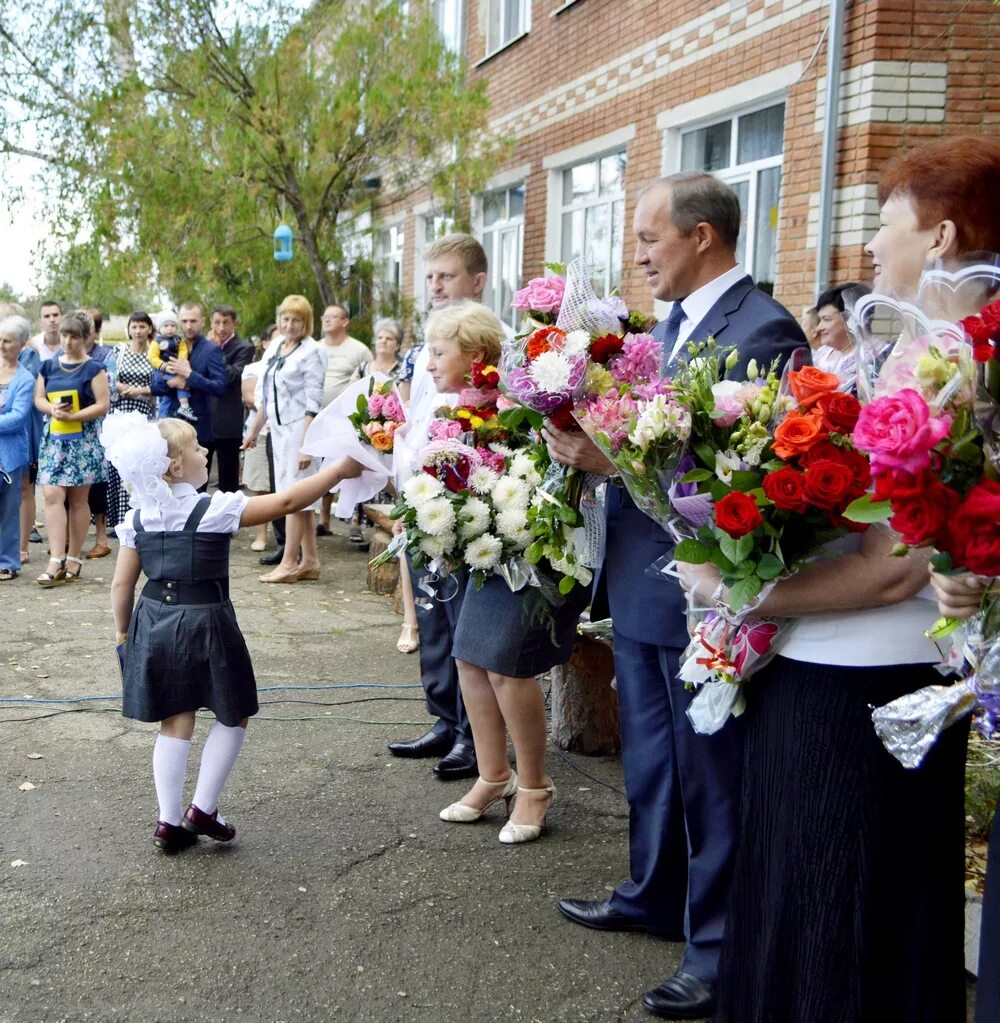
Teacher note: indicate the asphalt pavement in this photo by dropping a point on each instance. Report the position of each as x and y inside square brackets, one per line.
[343, 896]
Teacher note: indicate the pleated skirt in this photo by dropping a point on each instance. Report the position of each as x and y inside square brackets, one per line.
[847, 902]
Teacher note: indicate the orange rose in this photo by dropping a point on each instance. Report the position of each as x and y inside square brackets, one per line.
[797, 433]
[382, 441]
[809, 383]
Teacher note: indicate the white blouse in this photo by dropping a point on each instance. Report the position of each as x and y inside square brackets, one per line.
[223, 514]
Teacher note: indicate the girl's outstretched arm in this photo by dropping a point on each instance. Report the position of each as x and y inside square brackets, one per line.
[299, 495]
[127, 571]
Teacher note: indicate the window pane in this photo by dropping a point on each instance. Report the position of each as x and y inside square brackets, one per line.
[493, 207]
[516, 201]
[509, 273]
[761, 134]
[572, 236]
[597, 243]
[766, 238]
[617, 241]
[579, 182]
[707, 149]
[742, 190]
[513, 21]
[494, 27]
[613, 174]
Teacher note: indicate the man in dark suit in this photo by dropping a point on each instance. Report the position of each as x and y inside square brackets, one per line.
[227, 409]
[683, 788]
[203, 372]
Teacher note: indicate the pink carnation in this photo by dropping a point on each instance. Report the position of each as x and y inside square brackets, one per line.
[899, 432]
[542, 295]
[639, 361]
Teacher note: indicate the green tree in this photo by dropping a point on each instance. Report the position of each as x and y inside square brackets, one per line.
[179, 132]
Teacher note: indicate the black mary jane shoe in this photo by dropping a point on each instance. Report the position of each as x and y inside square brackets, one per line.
[197, 822]
[459, 763]
[172, 838]
[681, 996]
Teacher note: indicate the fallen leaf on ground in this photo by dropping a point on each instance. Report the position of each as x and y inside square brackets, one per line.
[26, 787]
[18, 863]
[35, 756]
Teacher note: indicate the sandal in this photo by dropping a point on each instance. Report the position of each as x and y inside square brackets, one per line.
[73, 576]
[57, 578]
[6, 574]
[409, 639]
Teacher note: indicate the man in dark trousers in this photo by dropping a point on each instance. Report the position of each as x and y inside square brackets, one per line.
[203, 372]
[683, 788]
[227, 408]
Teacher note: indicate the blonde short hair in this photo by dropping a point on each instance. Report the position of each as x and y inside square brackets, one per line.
[471, 253]
[298, 305]
[177, 434]
[472, 326]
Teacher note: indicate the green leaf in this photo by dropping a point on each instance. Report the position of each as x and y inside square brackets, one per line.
[362, 404]
[718, 490]
[743, 592]
[743, 480]
[721, 562]
[533, 554]
[692, 552]
[744, 546]
[864, 509]
[770, 567]
[941, 562]
[697, 476]
[566, 584]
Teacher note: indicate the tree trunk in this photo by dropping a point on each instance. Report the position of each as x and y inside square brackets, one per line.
[320, 273]
[584, 706]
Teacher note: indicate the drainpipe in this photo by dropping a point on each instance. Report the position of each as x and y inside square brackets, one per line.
[834, 58]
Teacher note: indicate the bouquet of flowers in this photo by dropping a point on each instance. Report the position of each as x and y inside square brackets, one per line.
[379, 414]
[777, 465]
[932, 444]
[360, 423]
[541, 298]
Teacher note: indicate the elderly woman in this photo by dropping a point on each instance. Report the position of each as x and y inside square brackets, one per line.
[388, 336]
[132, 392]
[16, 389]
[847, 898]
[288, 397]
[72, 391]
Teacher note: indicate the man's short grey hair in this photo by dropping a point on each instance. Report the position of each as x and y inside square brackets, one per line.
[18, 326]
[390, 326]
[700, 198]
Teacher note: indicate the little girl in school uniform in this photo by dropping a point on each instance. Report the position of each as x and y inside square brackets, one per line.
[184, 649]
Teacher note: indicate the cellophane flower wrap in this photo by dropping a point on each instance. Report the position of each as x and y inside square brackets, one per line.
[775, 460]
[542, 371]
[479, 494]
[930, 430]
[360, 423]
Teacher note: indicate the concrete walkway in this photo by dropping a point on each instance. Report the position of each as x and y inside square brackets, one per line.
[343, 896]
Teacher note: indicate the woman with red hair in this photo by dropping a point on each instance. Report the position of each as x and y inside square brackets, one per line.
[848, 890]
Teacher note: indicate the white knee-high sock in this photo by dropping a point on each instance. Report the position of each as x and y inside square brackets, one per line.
[170, 757]
[222, 747]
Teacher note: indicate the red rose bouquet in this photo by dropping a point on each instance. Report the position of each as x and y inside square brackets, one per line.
[775, 462]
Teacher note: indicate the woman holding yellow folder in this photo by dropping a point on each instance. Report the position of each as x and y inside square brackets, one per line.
[72, 391]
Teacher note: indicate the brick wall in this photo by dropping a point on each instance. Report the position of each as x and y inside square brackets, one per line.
[912, 69]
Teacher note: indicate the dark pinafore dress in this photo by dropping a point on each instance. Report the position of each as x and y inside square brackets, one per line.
[185, 650]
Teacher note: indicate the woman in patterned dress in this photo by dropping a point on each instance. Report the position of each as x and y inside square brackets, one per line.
[72, 392]
[133, 376]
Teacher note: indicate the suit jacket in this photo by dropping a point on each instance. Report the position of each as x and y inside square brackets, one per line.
[207, 380]
[227, 409]
[647, 609]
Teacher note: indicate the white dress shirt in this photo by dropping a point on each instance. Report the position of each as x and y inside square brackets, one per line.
[223, 514]
[697, 305]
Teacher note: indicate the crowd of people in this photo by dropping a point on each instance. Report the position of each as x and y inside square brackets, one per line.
[808, 874]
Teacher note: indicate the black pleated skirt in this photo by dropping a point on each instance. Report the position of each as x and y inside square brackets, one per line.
[516, 634]
[187, 657]
[848, 895]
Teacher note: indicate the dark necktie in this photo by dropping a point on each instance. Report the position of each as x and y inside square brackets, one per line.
[671, 331]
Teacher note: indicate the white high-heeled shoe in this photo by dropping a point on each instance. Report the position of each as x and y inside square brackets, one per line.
[461, 813]
[515, 834]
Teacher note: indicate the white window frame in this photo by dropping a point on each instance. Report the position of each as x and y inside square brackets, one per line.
[393, 254]
[508, 33]
[556, 164]
[491, 237]
[439, 11]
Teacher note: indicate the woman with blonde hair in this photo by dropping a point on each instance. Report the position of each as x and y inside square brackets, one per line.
[288, 397]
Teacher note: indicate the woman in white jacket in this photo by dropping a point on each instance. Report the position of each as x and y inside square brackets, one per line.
[288, 397]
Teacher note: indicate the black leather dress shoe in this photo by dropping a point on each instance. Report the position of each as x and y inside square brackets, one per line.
[273, 559]
[680, 997]
[430, 744]
[602, 916]
[459, 763]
